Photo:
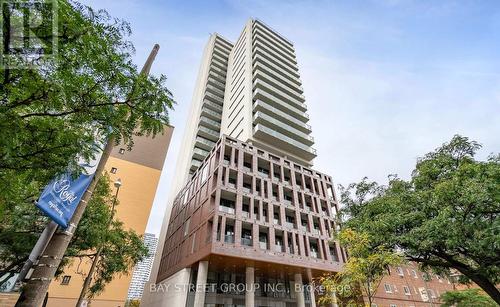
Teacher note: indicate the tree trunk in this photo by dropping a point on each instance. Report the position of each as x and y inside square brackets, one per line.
[483, 282]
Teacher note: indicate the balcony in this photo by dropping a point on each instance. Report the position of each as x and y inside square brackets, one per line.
[231, 185]
[226, 209]
[245, 214]
[209, 113]
[210, 123]
[315, 232]
[203, 143]
[199, 153]
[263, 48]
[208, 133]
[282, 116]
[262, 245]
[214, 98]
[289, 225]
[267, 29]
[279, 94]
[246, 241]
[247, 190]
[217, 84]
[278, 84]
[303, 228]
[278, 248]
[287, 202]
[284, 128]
[263, 174]
[247, 169]
[313, 254]
[278, 68]
[229, 238]
[262, 95]
[276, 221]
[278, 45]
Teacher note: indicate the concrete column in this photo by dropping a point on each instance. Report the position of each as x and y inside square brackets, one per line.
[222, 229]
[201, 282]
[307, 245]
[312, 295]
[321, 250]
[250, 290]
[255, 235]
[285, 241]
[298, 291]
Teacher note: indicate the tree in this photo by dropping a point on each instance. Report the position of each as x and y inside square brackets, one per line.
[466, 298]
[55, 110]
[123, 248]
[445, 217]
[363, 270]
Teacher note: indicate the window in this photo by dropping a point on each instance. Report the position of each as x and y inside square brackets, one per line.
[431, 293]
[65, 280]
[406, 290]
[388, 288]
[400, 271]
[393, 305]
[113, 170]
[414, 273]
[121, 151]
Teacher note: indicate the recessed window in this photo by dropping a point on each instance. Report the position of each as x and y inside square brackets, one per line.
[407, 290]
[393, 305]
[400, 271]
[414, 273]
[388, 288]
[65, 280]
[113, 170]
[121, 151]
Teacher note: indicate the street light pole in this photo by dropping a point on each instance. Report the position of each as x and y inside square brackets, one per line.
[88, 279]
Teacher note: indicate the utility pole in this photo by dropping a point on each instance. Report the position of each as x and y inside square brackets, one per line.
[35, 289]
[88, 279]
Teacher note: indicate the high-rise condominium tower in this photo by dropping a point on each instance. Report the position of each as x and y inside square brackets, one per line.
[143, 269]
[249, 217]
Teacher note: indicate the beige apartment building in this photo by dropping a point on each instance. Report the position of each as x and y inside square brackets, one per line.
[139, 171]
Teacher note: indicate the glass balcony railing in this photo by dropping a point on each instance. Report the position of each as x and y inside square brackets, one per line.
[247, 169]
[246, 241]
[289, 224]
[278, 248]
[245, 214]
[276, 221]
[287, 202]
[229, 238]
[315, 231]
[226, 209]
[303, 228]
[313, 254]
[262, 245]
[247, 190]
[284, 138]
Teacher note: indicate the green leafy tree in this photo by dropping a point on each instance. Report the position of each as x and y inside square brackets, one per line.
[444, 217]
[363, 271]
[122, 248]
[54, 110]
[466, 298]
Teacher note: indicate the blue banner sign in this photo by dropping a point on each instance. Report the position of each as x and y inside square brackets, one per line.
[61, 197]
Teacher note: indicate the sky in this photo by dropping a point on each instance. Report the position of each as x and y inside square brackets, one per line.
[385, 81]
